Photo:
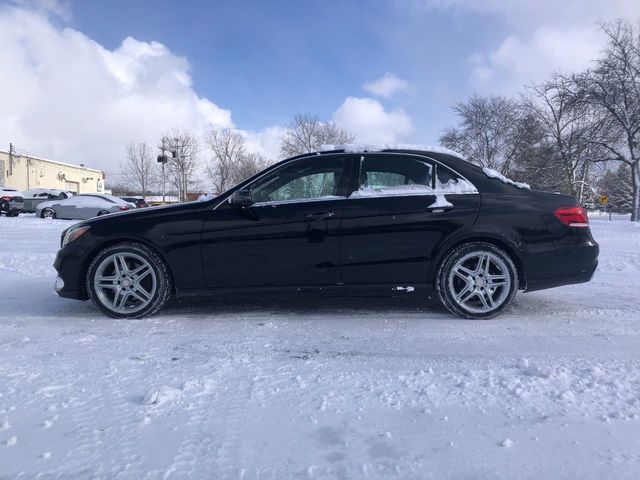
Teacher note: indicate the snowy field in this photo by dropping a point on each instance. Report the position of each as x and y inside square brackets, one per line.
[324, 389]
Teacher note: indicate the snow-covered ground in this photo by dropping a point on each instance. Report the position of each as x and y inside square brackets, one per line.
[320, 389]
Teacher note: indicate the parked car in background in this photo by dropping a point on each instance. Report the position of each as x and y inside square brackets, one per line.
[83, 207]
[35, 196]
[394, 222]
[11, 201]
[139, 202]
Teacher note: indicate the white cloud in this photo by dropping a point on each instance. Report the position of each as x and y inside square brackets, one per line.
[387, 86]
[267, 141]
[545, 36]
[58, 8]
[367, 119]
[519, 61]
[67, 97]
[523, 14]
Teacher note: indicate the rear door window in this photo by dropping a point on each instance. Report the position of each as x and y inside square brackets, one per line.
[394, 175]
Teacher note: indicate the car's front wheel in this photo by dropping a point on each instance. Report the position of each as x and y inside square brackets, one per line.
[128, 280]
[477, 280]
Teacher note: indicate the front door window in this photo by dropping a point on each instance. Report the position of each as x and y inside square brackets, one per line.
[304, 180]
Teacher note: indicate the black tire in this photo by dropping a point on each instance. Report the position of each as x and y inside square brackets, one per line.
[163, 280]
[102, 212]
[42, 214]
[12, 214]
[445, 279]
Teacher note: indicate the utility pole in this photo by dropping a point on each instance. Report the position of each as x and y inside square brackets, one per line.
[11, 158]
[162, 158]
[178, 153]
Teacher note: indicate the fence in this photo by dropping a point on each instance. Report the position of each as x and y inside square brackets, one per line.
[610, 210]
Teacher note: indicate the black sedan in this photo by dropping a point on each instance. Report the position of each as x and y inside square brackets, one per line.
[395, 222]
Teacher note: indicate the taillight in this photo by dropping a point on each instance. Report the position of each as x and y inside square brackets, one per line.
[123, 207]
[572, 216]
[6, 199]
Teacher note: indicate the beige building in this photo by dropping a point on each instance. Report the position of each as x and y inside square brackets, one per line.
[24, 172]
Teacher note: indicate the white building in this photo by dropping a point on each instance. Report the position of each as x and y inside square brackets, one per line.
[24, 172]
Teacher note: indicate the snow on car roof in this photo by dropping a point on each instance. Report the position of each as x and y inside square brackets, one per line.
[491, 173]
[379, 147]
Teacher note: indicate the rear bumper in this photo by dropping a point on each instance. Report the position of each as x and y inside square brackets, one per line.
[564, 266]
[11, 207]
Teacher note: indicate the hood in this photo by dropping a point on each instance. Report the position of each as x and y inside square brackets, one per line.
[149, 212]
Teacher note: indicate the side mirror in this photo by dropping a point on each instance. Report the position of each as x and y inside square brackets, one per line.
[241, 198]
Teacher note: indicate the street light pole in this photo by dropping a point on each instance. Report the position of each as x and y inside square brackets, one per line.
[162, 158]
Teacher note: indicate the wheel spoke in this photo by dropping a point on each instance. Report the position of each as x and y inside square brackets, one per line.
[141, 271]
[466, 295]
[489, 297]
[483, 299]
[460, 272]
[107, 282]
[121, 263]
[119, 299]
[141, 294]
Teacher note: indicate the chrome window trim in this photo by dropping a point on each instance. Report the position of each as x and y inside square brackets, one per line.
[326, 155]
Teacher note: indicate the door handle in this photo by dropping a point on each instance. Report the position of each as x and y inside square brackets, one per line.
[320, 216]
[439, 209]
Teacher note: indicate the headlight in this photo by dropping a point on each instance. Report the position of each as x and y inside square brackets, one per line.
[73, 233]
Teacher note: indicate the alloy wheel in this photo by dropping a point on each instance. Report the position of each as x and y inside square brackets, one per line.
[125, 282]
[479, 282]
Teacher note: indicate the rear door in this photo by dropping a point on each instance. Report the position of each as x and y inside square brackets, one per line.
[401, 208]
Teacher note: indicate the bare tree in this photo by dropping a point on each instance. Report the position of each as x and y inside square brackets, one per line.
[230, 162]
[120, 189]
[183, 161]
[307, 134]
[567, 128]
[139, 169]
[491, 132]
[612, 89]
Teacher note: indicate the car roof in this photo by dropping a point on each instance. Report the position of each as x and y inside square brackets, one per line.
[453, 160]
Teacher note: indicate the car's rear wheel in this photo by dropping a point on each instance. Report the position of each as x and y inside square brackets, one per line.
[102, 212]
[477, 280]
[128, 280]
[48, 213]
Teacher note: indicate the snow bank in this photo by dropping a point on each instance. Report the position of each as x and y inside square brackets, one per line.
[491, 173]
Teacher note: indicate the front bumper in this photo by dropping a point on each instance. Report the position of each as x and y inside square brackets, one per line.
[71, 265]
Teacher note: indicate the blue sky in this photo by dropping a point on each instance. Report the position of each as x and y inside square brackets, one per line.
[88, 77]
[267, 61]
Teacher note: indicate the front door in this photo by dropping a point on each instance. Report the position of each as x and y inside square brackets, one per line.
[289, 237]
[399, 212]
